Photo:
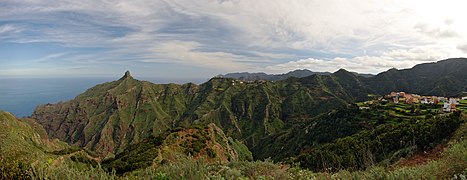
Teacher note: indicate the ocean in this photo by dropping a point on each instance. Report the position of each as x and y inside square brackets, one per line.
[20, 96]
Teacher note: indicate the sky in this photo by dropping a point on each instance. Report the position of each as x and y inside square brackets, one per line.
[203, 38]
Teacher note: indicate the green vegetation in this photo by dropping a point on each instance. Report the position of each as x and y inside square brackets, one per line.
[383, 145]
[452, 163]
[348, 121]
[404, 110]
[13, 169]
[298, 128]
[462, 105]
[197, 142]
[443, 78]
[135, 157]
[24, 146]
[417, 135]
[110, 116]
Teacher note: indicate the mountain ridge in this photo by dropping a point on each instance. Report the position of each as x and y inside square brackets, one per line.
[299, 73]
[446, 76]
[441, 78]
[110, 116]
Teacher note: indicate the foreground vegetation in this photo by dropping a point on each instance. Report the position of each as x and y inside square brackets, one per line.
[383, 145]
[452, 164]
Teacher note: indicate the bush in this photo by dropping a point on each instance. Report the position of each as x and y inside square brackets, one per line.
[359, 151]
[13, 169]
[211, 153]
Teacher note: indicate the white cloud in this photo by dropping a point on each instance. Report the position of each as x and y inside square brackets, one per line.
[50, 57]
[242, 35]
[436, 32]
[7, 28]
[462, 47]
[365, 64]
[186, 52]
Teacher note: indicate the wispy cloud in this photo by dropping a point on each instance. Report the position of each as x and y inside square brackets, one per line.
[50, 57]
[186, 52]
[237, 35]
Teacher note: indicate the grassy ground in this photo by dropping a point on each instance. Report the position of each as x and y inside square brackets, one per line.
[462, 105]
[404, 110]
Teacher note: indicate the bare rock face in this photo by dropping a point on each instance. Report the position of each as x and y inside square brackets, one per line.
[126, 76]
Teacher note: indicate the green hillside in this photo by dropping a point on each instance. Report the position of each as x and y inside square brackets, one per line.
[109, 117]
[165, 157]
[442, 78]
[25, 146]
[318, 126]
[204, 143]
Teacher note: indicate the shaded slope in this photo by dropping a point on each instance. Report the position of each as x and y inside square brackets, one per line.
[304, 136]
[442, 78]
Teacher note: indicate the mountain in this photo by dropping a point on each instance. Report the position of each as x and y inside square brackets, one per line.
[442, 78]
[207, 143]
[24, 138]
[272, 77]
[215, 129]
[24, 145]
[382, 145]
[299, 73]
[401, 150]
[349, 130]
[111, 116]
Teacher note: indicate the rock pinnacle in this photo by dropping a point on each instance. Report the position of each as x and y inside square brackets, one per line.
[127, 75]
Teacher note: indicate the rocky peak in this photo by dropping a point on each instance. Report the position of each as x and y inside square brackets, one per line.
[126, 76]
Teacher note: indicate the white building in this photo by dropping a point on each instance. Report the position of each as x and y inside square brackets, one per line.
[424, 101]
[447, 107]
[454, 101]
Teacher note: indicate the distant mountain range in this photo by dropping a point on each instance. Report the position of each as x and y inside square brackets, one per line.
[276, 77]
[442, 78]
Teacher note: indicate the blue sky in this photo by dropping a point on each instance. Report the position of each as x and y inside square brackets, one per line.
[203, 38]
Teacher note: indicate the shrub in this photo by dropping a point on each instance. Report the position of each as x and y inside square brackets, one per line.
[211, 153]
[13, 169]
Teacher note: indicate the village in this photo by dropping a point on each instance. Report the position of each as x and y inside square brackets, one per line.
[407, 104]
[449, 104]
